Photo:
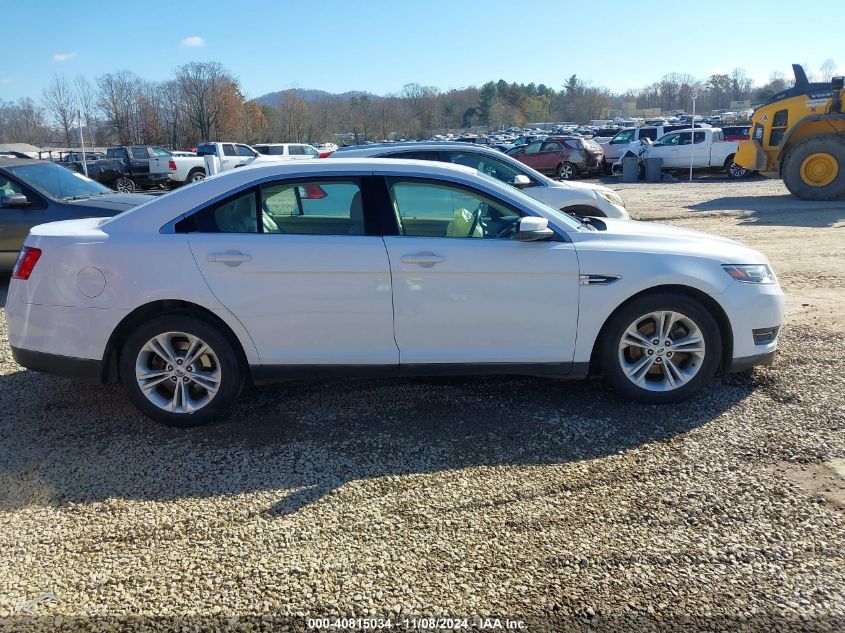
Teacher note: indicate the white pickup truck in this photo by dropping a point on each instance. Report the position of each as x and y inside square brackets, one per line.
[708, 149]
[188, 169]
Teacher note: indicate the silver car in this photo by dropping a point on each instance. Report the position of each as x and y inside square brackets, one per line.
[577, 198]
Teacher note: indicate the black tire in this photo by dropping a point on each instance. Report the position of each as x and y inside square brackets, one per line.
[195, 175]
[232, 373]
[831, 144]
[125, 185]
[567, 171]
[665, 301]
[734, 171]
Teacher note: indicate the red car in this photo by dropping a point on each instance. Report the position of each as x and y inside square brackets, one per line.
[566, 157]
[736, 132]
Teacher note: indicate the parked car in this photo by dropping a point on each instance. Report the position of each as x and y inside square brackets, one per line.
[629, 138]
[125, 168]
[36, 191]
[705, 149]
[379, 268]
[75, 157]
[566, 157]
[294, 151]
[581, 199]
[736, 132]
[187, 169]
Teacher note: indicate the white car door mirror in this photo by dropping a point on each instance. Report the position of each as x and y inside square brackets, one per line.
[521, 181]
[532, 229]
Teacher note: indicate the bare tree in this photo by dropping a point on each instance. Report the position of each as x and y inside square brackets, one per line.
[204, 88]
[828, 69]
[60, 102]
[119, 101]
[86, 97]
[293, 117]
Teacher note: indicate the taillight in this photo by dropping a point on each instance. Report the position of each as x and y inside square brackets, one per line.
[171, 165]
[324, 154]
[27, 259]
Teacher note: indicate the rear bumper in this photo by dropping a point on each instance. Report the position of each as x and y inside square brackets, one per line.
[84, 369]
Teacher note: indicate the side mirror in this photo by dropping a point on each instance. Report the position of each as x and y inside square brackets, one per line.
[520, 181]
[15, 200]
[532, 229]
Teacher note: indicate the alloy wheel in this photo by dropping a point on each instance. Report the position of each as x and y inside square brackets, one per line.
[125, 185]
[566, 172]
[178, 372]
[737, 171]
[661, 351]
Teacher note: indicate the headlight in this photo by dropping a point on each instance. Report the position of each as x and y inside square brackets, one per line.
[750, 273]
[612, 197]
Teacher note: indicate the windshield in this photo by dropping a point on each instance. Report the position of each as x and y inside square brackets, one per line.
[57, 182]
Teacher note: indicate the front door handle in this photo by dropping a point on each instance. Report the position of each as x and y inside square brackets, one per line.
[230, 258]
[423, 259]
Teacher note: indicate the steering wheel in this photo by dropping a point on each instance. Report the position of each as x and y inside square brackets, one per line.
[476, 220]
[507, 229]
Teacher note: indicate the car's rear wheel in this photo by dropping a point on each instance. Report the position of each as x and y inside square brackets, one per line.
[195, 176]
[567, 171]
[734, 170]
[661, 348]
[125, 185]
[180, 370]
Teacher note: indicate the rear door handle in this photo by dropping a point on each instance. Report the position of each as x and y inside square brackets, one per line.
[423, 259]
[230, 258]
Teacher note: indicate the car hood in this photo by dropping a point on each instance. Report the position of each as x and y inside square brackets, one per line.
[581, 186]
[114, 202]
[662, 238]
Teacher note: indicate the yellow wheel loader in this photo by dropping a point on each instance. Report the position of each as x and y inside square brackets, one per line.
[799, 135]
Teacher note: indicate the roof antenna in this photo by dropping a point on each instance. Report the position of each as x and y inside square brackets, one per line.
[800, 76]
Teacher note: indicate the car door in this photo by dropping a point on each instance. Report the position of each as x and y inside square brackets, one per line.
[15, 222]
[139, 163]
[550, 156]
[294, 262]
[692, 153]
[666, 148]
[230, 158]
[465, 291]
[530, 155]
[245, 154]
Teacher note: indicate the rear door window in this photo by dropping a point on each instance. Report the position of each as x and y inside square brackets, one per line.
[317, 207]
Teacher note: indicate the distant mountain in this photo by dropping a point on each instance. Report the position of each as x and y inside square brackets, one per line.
[272, 98]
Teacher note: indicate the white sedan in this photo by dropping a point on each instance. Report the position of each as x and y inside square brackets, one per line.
[378, 267]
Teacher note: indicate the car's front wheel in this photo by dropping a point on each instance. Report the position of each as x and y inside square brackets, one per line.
[180, 370]
[661, 348]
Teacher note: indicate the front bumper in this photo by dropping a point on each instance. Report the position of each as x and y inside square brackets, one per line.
[747, 362]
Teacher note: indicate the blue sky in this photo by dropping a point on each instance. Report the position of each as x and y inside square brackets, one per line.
[379, 45]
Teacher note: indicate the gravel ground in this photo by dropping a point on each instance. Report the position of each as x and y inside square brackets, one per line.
[553, 503]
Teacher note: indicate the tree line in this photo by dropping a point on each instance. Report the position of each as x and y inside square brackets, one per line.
[204, 101]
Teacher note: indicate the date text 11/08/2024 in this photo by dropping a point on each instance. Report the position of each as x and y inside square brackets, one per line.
[419, 624]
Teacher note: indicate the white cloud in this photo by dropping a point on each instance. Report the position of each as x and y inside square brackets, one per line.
[6, 81]
[63, 57]
[195, 41]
